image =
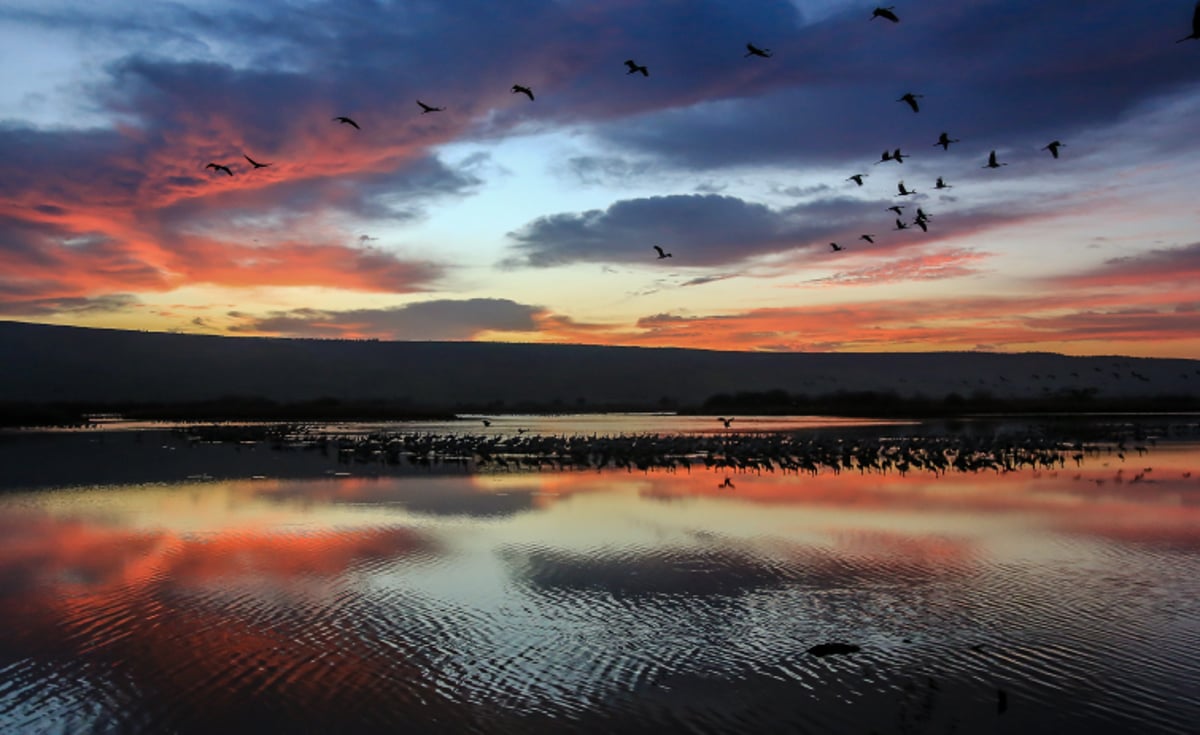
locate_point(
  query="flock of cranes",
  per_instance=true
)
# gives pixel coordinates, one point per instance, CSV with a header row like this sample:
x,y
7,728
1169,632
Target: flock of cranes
x,y
896,155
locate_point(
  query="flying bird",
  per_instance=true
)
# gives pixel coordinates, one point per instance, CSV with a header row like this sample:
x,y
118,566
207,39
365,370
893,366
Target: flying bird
x,y
756,51
726,421
911,99
922,216
868,238
942,184
634,68
347,121
897,208
857,178
1054,146
661,254
922,224
835,247
219,167
1195,25
897,156
518,89
944,140
887,156
992,161
254,163
429,108
885,13
903,191
900,225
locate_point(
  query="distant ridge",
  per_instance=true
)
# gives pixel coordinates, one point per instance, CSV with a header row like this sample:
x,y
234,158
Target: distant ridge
x,y
41,363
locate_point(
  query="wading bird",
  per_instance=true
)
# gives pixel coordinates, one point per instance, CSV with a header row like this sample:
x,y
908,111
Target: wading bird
x,y
254,163
661,254
1195,25
347,121
518,89
944,140
219,167
942,184
911,99
857,178
634,68
1053,147
868,238
835,247
885,13
903,191
756,51
992,161
429,108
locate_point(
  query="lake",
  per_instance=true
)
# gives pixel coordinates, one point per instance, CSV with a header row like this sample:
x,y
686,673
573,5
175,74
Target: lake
x,y
153,582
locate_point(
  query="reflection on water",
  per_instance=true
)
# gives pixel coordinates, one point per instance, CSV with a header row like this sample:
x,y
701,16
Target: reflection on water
x,y
594,601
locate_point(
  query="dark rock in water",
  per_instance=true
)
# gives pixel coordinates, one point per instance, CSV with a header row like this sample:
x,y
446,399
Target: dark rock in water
x,y
832,649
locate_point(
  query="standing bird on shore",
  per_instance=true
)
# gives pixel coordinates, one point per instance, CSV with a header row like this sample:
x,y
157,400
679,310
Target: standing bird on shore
x,y
911,99
835,247
992,161
429,108
944,140
518,89
219,167
885,13
756,51
1053,147
868,238
661,254
903,191
254,163
942,184
634,68
857,178
1195,25
347,121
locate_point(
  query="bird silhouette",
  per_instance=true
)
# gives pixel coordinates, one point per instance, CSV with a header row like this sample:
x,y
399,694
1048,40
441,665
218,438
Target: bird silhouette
x,y
728,483
942,184
254,163
897,208
429,108
992,161
897,156
518,89
887,156
911,99
904,191
922,224
756,51
726,421
486,422
219,167
922,216
944,140
885,13
661,254
868,238
347,121
900,225
1195,25
634,68
835,247
857,178
1053,147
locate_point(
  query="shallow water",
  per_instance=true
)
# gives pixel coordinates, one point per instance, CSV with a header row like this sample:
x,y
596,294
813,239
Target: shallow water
x,y
597,601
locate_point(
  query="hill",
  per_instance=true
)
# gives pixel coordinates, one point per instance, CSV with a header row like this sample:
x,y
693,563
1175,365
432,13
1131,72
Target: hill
x,y
43,364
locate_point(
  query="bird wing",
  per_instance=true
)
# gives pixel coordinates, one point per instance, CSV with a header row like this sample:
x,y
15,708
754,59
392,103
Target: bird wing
x,y
631,64
660,250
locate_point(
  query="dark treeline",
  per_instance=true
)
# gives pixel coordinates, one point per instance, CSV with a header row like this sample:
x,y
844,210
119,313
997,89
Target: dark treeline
x,y
893,405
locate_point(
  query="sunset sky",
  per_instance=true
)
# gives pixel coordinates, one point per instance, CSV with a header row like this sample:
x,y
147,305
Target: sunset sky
x,y
502,218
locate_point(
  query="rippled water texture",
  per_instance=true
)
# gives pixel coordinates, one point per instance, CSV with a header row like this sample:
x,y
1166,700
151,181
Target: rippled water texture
x,y
605,601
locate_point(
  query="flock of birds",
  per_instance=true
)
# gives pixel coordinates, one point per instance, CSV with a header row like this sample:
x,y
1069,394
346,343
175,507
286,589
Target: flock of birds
x,y
921,219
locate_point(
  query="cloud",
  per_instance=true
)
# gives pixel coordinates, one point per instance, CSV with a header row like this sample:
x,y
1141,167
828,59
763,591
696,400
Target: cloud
x,y
443,319
1153,269
925,267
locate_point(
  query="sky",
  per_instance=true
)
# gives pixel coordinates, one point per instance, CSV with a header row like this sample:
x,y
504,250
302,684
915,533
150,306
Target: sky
x,y
510,219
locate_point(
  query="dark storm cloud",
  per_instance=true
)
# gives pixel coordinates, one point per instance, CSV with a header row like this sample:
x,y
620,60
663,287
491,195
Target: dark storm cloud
x,y
430,320
701,229
41,307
